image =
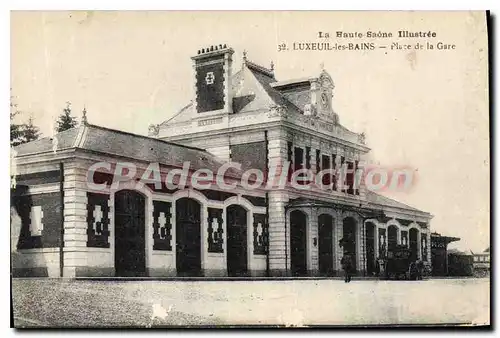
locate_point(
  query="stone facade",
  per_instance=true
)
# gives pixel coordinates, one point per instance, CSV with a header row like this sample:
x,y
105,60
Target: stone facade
x,y
68,228
311,127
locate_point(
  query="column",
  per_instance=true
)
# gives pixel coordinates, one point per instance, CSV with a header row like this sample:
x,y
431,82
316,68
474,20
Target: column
x,y
314,146
419,245
304,154
428,235
361,264
339,233
332,166
279,249
313,240
75,256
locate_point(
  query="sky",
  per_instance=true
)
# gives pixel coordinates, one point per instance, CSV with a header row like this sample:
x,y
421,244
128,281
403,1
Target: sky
x,y
425,109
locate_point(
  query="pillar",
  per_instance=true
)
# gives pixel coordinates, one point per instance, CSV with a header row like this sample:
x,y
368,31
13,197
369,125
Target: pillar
x,y
313,240
279,251
419,245
428,236
361,237
339,233
75,220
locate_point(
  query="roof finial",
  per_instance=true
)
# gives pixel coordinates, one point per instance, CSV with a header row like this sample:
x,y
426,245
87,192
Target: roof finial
x,y
84,115
272,65
244,56
322,66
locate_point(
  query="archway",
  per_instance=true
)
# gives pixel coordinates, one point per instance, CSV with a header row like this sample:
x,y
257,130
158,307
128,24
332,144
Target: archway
x,y
188,237
325,244
298,243
413,244
349,239
370,248
392,237
130,242
236,240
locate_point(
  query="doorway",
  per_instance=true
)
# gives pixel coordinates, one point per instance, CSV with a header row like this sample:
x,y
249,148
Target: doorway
x,y
130,242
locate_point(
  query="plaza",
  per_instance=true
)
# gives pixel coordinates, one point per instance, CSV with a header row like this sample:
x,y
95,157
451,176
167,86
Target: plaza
x,y
92,303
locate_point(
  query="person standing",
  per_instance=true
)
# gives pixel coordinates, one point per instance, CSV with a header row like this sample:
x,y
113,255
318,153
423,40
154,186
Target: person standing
x,y
347,267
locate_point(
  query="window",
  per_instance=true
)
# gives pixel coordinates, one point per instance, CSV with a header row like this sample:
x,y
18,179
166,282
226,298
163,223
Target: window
x,y
325,164
299,163
350,178
318,161
299,159
289,159
334,177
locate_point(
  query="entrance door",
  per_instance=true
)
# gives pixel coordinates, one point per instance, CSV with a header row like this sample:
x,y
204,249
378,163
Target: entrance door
x,y
130,244
413,244
370,248
188,237
325,244
298,246
349,240
236,241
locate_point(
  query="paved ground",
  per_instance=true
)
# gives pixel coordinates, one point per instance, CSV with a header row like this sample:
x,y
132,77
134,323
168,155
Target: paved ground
x,y
305,302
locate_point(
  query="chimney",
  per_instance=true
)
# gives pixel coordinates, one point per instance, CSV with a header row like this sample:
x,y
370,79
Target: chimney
x,y
212,67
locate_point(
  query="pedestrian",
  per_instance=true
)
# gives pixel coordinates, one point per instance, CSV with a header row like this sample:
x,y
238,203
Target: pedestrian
x,y
347,266
420,269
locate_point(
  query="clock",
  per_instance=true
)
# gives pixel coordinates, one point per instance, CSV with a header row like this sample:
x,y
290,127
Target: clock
x,y
324,100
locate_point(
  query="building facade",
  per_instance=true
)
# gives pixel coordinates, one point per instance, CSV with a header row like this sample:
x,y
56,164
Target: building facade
x,y
117,227
481,262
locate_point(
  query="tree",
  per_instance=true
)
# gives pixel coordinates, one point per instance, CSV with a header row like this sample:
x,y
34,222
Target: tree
x,y
66,120
21,133
15,129
29,131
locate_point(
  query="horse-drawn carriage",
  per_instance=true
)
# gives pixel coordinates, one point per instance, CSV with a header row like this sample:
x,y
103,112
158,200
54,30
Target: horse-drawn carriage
x,y
400,265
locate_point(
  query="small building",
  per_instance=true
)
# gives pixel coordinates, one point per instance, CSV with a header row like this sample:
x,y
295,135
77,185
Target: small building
x,y
439,253
482,262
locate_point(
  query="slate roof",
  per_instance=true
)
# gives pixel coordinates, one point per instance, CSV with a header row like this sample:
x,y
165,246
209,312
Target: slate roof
x,y
65,140
375,198
115,142
142,148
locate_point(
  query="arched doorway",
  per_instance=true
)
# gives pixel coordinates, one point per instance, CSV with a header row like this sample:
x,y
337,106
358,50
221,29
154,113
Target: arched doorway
x,y
349,240
392,237
236,241
298,243
413,244
370,248
188,237
130,242
325,244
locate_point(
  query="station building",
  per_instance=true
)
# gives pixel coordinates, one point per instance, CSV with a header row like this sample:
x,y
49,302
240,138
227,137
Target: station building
x,y
62,226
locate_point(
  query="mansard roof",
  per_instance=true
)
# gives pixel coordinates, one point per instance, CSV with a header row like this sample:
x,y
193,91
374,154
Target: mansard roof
x,y
123,144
